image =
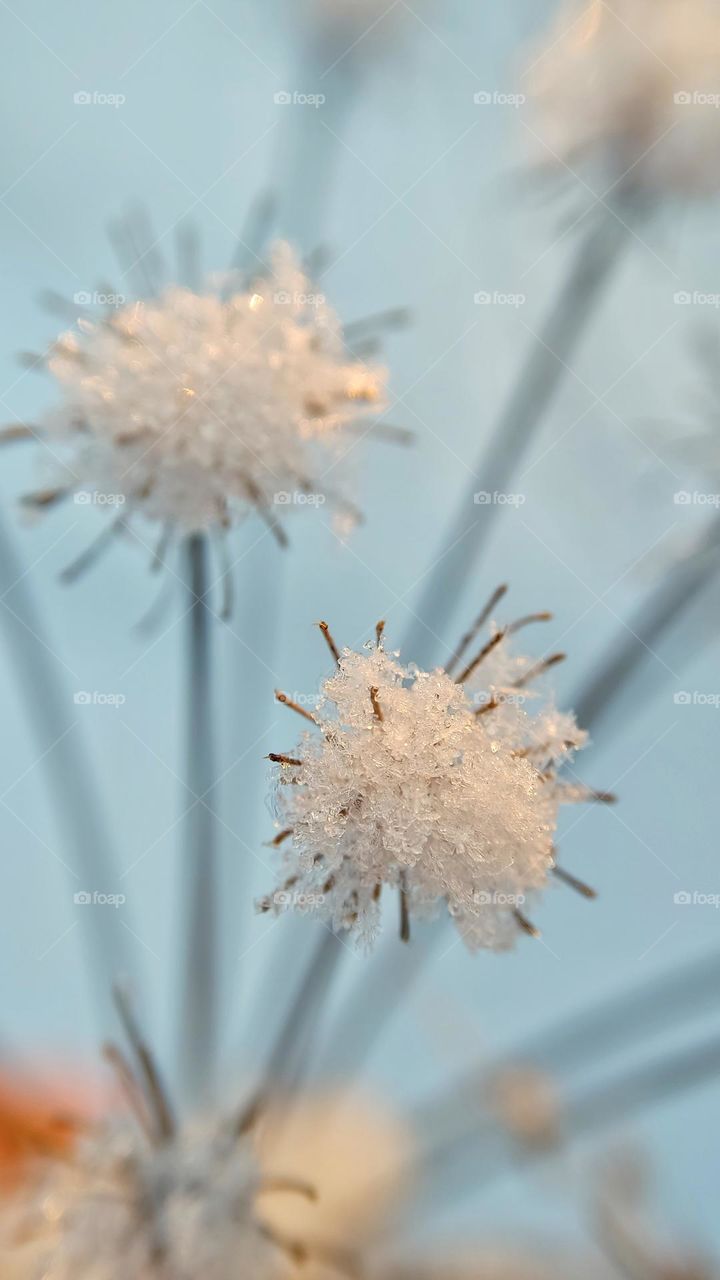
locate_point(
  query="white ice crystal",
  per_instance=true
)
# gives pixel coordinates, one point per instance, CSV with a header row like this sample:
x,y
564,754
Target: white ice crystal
x,y
633,89
442,789
195,408
120,1209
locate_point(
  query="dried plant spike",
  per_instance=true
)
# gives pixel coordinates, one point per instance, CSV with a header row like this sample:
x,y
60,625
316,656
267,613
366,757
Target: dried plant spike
x,y
17,431
294,706
539,669
379,632
329,641
480,657
585,890
527,621
490,705
131,1088
281,837
526,925
272,1183
482,618
44,498
277,758
361,815
156,1095
404,910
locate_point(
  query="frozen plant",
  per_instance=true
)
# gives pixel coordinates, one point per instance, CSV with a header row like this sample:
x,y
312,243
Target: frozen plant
x,y
442,786
154,1202
193,409
631,89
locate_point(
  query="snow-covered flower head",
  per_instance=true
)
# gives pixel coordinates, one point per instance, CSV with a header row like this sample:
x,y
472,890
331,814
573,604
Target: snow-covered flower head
x,y
155,1200
443,787
194,409
121,1208
632,89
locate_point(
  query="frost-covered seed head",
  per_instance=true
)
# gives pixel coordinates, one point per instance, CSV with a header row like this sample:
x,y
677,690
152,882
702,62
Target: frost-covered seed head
x,y
193,409
446,791
631,89
121,1209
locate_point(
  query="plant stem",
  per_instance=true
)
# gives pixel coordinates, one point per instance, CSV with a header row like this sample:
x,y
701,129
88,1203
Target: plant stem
x,y
198,1014
637,639
615,1023
384,987
73,788
545,367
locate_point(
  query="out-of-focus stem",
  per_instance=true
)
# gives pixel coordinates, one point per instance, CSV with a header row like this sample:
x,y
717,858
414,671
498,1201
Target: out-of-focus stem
x,y
381,990
595,258
637,638
198,1010
66,764
583,1039
310,146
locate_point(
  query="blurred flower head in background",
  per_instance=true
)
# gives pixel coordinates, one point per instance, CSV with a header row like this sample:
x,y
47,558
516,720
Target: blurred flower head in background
x,y
630,92
195,409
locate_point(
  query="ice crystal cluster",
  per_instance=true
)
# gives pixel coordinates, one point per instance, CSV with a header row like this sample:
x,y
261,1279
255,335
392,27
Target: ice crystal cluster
x,y
632,88
121,1209
446,791
193,409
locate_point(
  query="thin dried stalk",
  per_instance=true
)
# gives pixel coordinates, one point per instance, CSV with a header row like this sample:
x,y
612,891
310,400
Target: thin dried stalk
x,y
595,259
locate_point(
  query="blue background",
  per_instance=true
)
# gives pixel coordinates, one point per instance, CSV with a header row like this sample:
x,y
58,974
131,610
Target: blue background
x,y
426,208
